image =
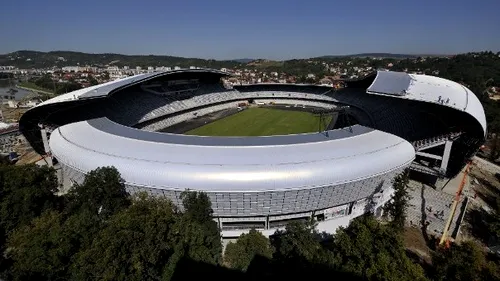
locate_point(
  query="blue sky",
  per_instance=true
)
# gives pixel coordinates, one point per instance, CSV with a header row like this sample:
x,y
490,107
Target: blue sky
x,y
273,29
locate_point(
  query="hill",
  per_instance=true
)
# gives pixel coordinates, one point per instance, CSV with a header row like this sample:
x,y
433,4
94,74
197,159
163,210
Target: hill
x,y
372,55
262,63
243,60
35,59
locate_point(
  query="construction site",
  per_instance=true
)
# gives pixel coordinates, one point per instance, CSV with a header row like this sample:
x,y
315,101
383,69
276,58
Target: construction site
x,y
453,211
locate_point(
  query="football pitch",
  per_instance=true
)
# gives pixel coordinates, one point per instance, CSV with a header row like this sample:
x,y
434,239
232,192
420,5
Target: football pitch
x,y
262,122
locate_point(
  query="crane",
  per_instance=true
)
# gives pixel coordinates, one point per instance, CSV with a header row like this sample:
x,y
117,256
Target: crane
x,y
444,237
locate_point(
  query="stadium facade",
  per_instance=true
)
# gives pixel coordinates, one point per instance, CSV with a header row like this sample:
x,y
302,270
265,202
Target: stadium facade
x,y
389,122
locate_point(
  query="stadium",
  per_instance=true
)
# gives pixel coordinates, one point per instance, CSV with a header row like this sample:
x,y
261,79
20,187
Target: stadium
x,y
334,160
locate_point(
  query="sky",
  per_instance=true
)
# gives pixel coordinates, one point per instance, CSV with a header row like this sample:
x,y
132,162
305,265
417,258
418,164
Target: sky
x,y
270,29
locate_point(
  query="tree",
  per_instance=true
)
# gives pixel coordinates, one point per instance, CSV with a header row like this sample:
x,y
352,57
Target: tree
x,y
102,194
298,253
397,206
197,206
105,75
67,87
93,81
298,243
146,240
464,261
198,230
138,243
239,255
373,251
90,204
494,147
41,250
493,223
25,193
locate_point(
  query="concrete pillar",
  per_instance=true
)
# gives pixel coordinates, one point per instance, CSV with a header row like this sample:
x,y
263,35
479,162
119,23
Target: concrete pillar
x,y
46,147
45,140
446,155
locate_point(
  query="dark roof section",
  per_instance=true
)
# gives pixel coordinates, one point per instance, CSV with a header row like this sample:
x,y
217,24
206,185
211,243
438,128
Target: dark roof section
x,y
173,74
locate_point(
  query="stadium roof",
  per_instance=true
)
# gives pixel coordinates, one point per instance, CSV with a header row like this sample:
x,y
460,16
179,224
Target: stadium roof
x,y
108,88
429,89
208,163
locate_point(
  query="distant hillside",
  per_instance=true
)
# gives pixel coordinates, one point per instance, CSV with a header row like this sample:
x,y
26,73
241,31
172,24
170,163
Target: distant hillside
x,y
371,55
243,60
35,59
262,63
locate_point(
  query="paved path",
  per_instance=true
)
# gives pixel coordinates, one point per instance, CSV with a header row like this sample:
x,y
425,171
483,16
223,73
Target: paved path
x,y
431,207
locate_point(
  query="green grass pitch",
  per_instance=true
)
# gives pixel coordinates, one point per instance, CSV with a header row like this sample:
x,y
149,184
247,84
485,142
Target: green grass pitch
x,y
262,122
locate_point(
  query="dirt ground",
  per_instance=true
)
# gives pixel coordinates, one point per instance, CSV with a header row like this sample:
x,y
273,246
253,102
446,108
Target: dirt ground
x,y
26,154
23,149
12,115
485,185
415,242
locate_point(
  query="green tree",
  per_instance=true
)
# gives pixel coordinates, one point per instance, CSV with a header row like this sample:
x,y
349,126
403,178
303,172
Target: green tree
x,y
198,230
197,206
101,194
25,193
105,75
299,242
34,249
464,261
93,81
493,223
397,206
90,204
239,255
373,251
494,147
67,87
298,254
138,243
41,250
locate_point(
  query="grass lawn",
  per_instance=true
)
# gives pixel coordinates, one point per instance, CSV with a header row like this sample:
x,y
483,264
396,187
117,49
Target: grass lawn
x,y
33,86
261,122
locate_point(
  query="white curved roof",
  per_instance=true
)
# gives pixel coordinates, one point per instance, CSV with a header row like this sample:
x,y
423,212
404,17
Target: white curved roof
x,y
104,89
260,164
430,89
99,90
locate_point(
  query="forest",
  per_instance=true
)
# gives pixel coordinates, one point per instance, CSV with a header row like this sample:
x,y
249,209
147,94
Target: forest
x,y
97,231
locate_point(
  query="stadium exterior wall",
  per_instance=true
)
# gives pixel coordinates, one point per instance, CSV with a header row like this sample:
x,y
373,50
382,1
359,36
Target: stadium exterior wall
x,y
317,180
353,199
